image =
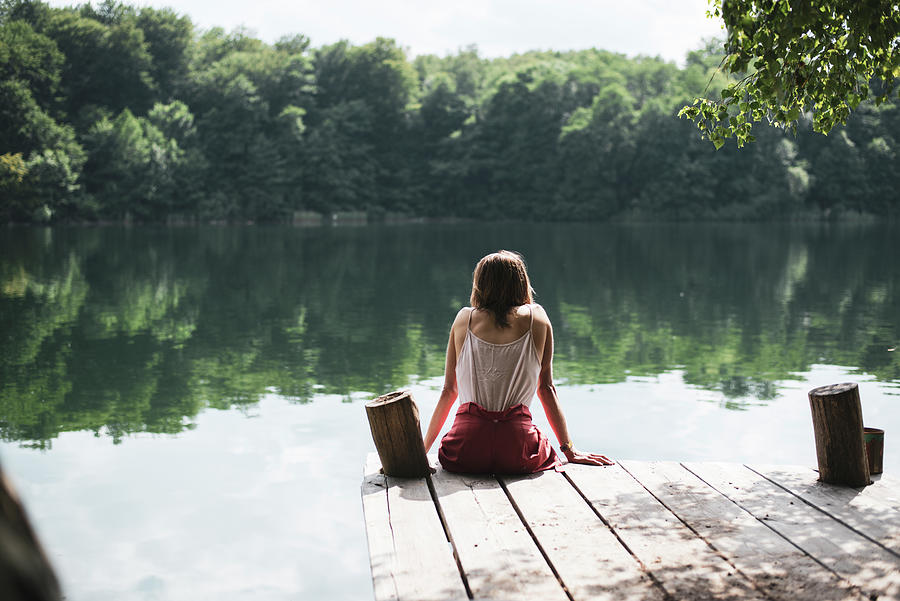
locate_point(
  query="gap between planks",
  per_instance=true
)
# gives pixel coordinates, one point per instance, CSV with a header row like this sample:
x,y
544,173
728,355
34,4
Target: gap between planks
x,y
853,558
858,509
681,561
728,564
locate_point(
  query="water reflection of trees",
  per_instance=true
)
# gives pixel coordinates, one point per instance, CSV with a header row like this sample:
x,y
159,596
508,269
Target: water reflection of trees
x,y
120,330
735,308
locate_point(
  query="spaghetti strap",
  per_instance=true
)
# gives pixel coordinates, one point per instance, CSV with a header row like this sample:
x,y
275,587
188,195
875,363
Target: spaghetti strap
x,y
469,322
531,313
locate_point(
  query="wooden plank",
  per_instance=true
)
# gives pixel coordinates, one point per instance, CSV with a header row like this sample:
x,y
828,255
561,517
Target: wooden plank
x,y
776,567
499,557
412,560
378,531
682,562
856,507
863,563
591,562
887,490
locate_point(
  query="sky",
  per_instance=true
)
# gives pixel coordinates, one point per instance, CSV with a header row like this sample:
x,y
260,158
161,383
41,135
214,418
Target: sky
x,y
666,28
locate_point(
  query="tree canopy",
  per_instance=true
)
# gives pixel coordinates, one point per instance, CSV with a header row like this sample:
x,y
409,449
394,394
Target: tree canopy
x,y
793,58
118,113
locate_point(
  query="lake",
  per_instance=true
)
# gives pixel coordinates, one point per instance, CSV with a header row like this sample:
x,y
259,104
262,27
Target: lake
x,y
182,408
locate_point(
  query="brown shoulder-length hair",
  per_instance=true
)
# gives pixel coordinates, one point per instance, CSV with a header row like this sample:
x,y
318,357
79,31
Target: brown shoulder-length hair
x,y
499,283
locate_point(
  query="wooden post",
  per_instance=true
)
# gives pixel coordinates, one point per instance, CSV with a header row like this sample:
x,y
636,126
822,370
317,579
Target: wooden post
x,y
838,426
394,421
25,572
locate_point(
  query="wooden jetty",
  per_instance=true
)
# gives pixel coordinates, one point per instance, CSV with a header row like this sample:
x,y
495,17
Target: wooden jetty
x,y
633,531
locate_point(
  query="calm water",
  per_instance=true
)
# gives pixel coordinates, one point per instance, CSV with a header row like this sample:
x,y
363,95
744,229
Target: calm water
x,y
182,409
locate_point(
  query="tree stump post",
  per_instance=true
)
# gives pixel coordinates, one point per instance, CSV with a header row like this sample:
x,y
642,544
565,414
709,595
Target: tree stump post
x,y
25,571
394,421
838,427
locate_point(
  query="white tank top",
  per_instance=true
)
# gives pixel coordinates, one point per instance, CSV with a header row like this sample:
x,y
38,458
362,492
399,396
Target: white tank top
x,y
497,376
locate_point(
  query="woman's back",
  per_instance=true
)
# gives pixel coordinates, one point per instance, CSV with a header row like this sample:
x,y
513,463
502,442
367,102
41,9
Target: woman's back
x,y
483,325
498,368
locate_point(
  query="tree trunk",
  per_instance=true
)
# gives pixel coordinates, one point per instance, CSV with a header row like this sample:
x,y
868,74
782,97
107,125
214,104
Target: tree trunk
x,y
394,421
838,426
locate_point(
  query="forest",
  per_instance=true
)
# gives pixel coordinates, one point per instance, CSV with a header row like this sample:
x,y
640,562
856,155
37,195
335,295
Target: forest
x,y
114,113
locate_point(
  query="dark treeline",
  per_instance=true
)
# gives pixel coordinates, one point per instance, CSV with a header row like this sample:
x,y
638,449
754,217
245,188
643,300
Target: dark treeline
x,y
117,113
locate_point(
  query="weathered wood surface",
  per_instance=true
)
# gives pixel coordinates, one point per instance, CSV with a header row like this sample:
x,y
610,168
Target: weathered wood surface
x,y
409,552
589,559
866,565
491,540
394,422
664,545
869,514
887,491
838,428
636,530
771,562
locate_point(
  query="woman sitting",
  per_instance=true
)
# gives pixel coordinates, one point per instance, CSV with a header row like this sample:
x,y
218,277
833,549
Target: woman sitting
x,y
499,354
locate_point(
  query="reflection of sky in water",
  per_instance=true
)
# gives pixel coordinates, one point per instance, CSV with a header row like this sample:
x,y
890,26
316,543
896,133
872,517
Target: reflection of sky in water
x,y
265,504
265,507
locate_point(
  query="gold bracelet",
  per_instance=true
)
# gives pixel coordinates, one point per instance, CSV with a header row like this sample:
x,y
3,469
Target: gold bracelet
x,y
568,446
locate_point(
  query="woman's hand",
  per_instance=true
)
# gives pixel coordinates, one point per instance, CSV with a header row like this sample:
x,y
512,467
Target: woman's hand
x,y
576,456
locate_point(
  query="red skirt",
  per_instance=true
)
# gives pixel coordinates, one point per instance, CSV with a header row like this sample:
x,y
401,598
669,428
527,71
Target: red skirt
x,y
495,442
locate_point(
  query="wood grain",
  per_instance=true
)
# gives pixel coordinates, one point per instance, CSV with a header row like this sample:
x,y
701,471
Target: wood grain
x,y
838,429
394,422
418,561
858,508
636,531
590,560
683,563
864,564
776,567
499,557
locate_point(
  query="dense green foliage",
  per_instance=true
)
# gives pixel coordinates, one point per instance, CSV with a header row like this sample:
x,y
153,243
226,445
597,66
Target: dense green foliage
x,y
800,58
117,113
120,330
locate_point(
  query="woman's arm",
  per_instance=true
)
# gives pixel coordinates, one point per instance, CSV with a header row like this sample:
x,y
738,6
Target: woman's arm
x,y
550,400
449,391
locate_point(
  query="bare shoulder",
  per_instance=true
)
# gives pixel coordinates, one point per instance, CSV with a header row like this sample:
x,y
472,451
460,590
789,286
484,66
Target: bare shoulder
x,y
540,315
458,329
542,332
462,316
461,320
